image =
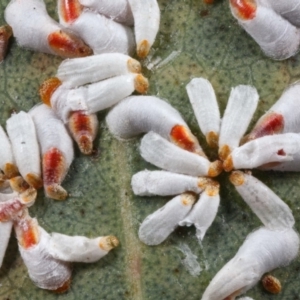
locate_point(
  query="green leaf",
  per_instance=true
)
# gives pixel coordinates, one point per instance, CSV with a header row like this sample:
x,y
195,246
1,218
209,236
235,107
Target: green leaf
x,y
194,40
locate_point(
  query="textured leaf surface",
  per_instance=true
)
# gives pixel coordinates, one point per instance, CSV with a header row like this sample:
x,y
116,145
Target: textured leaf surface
x,y
194,40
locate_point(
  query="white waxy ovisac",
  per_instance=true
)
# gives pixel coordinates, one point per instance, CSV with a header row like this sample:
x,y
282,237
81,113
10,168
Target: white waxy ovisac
x,y
146,24
282,117
262,251
22,134
79,71
31,24
160,224
276,36
80,248
139,114
53,139
164,154
289,10
7,160
240,108
44,270
268,207
103,35
117,10
277,148
163,183
204,211
206,109
94,97
34,29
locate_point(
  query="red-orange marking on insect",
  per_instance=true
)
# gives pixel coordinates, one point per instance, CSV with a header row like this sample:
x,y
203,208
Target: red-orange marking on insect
x,y
70,10
68,45
47,88
181,137
273,123
53,166
80,121
245,9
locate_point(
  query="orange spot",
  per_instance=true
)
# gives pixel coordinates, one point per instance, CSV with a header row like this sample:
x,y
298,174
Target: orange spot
x,y
64,288
244,9
47,88
70,10
83,128
10,170
208,1
272,123
34,180
5,34
53,166
271,284
68,45
29,237
182,137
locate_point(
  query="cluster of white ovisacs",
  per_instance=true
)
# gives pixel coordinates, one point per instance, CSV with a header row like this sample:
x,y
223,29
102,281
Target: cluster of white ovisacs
x,y
82,87
274,25
86,26
274,143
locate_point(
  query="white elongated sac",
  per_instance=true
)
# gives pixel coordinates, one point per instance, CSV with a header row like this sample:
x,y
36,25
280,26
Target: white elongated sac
x,y
44,270
268,207
7,160
163,154
262,251
79,71
163,183
80,248
23,137
282,117
289,10
159,225
117,10
34,29
96,96
276,36
277,148
56,147
206,109
138,114
146,24
102,34
240,108
204,211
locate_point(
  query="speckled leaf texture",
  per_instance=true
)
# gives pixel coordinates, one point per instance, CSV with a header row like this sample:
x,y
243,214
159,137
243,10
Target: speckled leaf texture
x,y
194,40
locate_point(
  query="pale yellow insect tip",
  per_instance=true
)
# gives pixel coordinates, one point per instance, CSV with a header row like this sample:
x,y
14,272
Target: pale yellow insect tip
x,y
10,170
141,84
224,152
143,48
108,242
212,188
228,164
212,139
237,178
134,66
56,192
215,168
34,180
188,199
28,197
